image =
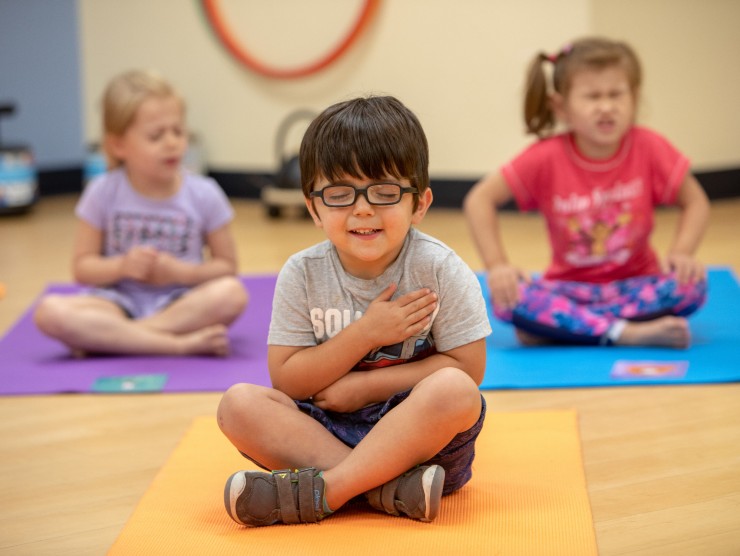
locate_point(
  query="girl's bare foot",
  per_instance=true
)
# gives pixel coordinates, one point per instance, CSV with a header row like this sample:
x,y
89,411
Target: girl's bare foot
x,y
667,331
211,340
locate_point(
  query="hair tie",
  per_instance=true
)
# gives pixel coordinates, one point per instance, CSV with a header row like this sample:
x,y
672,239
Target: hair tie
x,y
563,52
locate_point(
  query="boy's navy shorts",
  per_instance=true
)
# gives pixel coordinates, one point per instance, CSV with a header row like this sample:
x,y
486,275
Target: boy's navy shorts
x,y
456,458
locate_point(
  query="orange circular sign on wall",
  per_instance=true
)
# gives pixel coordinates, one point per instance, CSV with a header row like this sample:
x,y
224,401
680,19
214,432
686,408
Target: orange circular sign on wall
x,y
224,34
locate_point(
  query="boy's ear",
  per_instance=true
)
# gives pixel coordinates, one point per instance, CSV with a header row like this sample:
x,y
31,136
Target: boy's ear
x,y
313,213
424,202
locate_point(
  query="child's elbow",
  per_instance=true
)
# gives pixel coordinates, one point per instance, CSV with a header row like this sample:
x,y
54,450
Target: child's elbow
x,y
477,374
287,387
471,201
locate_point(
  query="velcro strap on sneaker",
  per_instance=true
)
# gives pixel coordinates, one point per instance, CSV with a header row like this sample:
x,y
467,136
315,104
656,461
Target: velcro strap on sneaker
x,y
388,496
306,493
288,510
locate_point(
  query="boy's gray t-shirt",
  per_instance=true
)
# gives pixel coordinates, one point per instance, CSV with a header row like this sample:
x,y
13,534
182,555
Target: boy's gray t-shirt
x,y
315,298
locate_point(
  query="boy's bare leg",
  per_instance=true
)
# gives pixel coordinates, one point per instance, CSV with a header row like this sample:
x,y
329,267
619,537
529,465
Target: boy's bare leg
x,y
439,407
266,424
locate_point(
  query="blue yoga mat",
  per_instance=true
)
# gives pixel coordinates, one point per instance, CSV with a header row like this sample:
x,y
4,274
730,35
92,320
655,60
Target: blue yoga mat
x,y
712,357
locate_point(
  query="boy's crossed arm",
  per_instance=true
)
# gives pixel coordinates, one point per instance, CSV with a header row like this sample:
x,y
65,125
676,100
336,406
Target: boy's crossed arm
x,y
322,371
356,390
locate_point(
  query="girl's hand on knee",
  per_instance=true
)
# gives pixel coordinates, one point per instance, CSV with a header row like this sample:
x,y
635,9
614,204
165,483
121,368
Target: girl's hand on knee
x,y
687,269
503,283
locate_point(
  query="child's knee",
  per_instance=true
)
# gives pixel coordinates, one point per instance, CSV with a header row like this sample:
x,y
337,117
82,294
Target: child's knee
x,y
453,389
231,298
236,405
235,291
690,297
233,399
49,314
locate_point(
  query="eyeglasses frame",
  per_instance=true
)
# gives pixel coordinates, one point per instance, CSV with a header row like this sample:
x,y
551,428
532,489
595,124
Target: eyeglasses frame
x,y
363,191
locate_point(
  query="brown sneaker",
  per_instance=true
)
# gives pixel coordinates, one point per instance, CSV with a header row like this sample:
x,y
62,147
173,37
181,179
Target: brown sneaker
x,y
256,499
417,493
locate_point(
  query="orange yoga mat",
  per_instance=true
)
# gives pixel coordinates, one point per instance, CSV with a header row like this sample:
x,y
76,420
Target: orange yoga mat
x,y
527,497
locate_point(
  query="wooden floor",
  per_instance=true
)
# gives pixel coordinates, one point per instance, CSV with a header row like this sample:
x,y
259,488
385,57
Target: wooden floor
x,y
662,463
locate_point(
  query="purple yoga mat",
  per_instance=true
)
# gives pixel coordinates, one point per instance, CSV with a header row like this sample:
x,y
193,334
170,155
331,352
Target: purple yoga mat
x,y
31,363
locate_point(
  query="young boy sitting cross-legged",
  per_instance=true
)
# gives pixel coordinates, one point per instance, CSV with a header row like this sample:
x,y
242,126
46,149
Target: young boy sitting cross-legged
x,y
376,344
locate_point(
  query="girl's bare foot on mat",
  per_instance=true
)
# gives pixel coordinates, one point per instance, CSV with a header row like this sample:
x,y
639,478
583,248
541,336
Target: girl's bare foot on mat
x,y
668,331
211,340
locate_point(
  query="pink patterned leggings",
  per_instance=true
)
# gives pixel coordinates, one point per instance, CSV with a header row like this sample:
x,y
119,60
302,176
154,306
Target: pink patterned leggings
x,y
583,313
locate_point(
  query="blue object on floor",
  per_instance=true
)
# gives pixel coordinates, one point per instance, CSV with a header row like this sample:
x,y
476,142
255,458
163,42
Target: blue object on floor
x,y
714,355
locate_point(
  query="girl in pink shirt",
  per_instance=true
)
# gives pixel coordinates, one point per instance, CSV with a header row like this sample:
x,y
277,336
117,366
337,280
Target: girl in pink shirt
x,y
597,184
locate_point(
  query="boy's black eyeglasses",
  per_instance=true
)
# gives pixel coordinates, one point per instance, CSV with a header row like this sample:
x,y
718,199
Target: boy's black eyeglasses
x,y
376,194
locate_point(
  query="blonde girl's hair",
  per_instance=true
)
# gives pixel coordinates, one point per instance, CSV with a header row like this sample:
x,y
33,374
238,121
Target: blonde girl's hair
x,y
122,98
590,53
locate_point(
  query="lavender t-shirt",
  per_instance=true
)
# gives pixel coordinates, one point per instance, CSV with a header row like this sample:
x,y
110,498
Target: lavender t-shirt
x,y
177,225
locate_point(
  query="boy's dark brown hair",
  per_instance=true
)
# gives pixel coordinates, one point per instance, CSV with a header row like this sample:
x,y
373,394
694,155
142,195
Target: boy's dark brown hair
x,y
371,137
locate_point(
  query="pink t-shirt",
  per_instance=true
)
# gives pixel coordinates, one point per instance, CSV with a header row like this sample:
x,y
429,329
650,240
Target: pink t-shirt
x,y
599,213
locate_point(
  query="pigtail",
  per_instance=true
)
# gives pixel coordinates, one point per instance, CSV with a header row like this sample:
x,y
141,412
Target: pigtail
x,y
538,115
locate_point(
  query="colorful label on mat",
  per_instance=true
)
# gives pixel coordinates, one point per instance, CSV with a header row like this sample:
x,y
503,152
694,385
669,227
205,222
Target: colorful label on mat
x,y
654,370
131,383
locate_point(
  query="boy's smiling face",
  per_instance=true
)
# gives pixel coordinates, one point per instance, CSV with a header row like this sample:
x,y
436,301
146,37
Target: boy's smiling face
x,y
368,238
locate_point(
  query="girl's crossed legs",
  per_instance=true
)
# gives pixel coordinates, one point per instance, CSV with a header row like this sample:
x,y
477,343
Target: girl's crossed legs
x,y
194,323
645,310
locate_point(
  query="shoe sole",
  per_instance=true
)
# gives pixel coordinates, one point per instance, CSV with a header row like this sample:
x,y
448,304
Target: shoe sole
x,y
234,488
432,482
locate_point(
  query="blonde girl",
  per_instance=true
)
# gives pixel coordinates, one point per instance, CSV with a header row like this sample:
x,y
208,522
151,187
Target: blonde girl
x,y
142,232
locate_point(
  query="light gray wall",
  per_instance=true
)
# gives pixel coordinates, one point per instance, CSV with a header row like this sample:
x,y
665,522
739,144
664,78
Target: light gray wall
x,y
40,73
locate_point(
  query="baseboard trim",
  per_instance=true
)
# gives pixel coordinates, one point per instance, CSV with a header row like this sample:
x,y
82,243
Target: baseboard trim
x,y
720,184
448,192
60,181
